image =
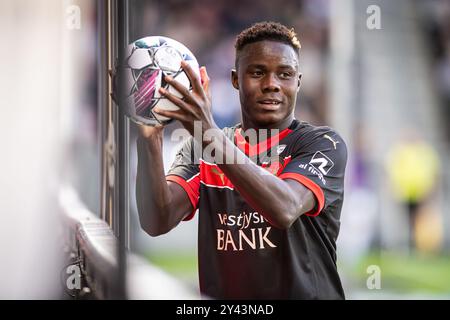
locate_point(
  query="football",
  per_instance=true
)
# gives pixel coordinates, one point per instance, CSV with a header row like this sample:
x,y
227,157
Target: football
x,y
147,62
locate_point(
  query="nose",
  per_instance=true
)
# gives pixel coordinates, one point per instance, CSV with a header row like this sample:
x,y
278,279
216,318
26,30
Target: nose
x,y
270,83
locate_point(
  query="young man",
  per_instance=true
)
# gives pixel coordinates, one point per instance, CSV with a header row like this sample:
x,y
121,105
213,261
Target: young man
x,y
268,209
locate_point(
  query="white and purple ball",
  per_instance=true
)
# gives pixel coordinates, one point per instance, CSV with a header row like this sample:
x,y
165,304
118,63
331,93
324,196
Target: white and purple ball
x,y
148,61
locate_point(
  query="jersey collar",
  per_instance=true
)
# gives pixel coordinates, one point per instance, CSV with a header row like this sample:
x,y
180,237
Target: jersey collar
x,y
262,146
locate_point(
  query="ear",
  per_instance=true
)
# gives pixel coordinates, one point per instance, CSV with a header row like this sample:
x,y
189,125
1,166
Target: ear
x,y
299,81
234,79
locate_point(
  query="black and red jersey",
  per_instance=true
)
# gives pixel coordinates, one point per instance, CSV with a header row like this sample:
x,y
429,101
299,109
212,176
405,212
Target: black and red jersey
x,y
242,256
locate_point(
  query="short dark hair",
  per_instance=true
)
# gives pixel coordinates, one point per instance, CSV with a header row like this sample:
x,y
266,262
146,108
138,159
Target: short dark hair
x,y
267,30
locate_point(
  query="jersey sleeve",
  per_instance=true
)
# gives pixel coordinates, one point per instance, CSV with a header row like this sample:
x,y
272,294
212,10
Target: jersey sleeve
x,y
319,164
185,172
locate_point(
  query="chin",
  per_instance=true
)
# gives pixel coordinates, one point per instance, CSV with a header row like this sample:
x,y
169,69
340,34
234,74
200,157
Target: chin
x,y
267,120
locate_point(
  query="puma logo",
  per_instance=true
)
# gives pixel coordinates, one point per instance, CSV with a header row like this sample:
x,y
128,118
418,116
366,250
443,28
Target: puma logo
x,y
220,174
329,138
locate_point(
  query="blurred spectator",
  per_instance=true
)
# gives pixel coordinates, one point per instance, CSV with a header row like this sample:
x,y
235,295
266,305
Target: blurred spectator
x,y
413,167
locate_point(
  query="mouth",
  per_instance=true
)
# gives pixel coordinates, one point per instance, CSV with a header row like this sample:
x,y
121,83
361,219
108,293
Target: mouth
x,y
269,104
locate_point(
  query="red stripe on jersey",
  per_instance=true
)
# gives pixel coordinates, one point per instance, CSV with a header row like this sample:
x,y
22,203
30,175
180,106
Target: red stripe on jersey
x,y
212,176
315,189
192,188
252,150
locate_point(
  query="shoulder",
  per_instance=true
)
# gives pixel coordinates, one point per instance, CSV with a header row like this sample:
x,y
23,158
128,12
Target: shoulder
x,y
310,139
310,134
314,133
192,146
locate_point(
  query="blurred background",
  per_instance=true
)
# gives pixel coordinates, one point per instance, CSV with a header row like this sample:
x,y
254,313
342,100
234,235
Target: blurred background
x,y
376,71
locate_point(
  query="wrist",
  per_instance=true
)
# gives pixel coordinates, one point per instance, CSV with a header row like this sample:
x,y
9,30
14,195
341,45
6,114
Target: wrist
x,y
151,142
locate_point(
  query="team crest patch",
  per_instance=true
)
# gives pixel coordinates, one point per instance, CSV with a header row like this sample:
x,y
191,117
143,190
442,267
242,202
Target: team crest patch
x,y
321,162
280,148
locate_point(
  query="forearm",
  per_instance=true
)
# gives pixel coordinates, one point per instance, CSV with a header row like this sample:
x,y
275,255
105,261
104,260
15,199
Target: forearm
x,y
153,195
269,195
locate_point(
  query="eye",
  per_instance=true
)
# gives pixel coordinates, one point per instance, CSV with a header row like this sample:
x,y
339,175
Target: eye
x,y
256,73
286,75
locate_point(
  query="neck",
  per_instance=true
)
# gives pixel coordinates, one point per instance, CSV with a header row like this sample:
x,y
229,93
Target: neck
x,y
283,124
267,131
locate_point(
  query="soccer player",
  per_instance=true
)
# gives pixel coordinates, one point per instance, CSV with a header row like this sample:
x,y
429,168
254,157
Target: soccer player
x,y
268,191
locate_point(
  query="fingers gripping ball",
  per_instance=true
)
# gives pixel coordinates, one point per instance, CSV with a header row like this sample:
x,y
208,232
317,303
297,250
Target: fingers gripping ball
x,y
148,61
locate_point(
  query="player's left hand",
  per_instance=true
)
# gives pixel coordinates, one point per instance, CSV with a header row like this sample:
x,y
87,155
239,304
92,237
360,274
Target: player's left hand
x,y
195,106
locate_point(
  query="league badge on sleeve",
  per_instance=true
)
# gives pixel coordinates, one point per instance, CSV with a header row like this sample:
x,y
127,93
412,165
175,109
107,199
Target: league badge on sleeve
x,y
321,162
